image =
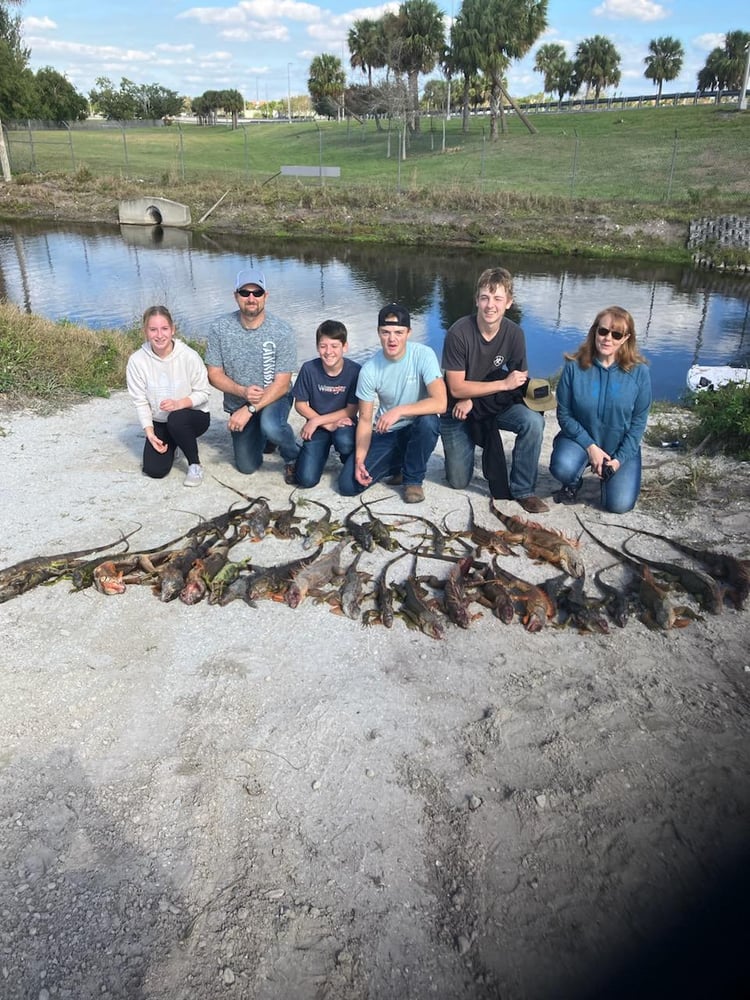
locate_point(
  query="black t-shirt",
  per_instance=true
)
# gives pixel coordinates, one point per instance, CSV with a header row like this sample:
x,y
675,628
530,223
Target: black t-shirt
x,y
465,350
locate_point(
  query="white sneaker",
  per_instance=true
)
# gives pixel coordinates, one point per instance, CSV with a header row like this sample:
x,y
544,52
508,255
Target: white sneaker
x,y
194,475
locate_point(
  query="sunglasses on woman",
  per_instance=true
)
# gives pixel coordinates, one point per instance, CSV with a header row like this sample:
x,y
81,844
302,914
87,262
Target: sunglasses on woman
x,y
257,293
603,331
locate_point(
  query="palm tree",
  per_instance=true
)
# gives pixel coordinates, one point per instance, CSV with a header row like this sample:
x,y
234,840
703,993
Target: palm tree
x,y
597,63
421,42
325,83
364,46
565,79
387,43
725,67
507,30
463,54
233,102
664,61
546,61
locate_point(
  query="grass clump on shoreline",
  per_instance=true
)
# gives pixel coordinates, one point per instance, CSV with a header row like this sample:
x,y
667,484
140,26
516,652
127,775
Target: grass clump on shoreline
x,y
724,413
710,421
56,363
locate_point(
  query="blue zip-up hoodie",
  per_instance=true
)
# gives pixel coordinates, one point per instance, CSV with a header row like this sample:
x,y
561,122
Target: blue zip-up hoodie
x,y
604,406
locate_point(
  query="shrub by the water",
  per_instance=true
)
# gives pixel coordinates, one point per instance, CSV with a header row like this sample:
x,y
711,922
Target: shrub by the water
x,y
725,414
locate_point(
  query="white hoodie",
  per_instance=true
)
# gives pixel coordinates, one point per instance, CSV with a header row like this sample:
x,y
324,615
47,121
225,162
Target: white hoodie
x,y
151,379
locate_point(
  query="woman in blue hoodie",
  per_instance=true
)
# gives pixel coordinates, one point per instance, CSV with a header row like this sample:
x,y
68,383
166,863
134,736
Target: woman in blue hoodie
x,y
603,399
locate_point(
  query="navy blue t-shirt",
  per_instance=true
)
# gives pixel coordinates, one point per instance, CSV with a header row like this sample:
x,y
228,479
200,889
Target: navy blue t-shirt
x,y
326,393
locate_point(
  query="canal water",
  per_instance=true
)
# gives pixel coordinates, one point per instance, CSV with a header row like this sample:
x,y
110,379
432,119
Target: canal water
x,y
106,276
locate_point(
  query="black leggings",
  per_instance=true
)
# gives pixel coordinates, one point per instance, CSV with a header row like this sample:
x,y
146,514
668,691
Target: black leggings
x,y
181,430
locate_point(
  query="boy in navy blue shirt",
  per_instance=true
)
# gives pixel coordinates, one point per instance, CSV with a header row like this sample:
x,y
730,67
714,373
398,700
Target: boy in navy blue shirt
x,y
325,394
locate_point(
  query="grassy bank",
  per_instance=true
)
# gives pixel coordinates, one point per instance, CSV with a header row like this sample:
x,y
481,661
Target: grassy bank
x,y
678,155
55,363
599,184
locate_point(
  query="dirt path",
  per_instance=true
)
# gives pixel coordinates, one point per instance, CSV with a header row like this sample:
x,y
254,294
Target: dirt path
x,y
271,803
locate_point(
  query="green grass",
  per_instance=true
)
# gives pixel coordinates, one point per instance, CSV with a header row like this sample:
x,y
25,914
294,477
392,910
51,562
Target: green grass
x,y
724,413
41,360
57,362
689,157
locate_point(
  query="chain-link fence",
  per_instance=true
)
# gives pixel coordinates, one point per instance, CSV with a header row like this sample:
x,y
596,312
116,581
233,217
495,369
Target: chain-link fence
x,y
619,160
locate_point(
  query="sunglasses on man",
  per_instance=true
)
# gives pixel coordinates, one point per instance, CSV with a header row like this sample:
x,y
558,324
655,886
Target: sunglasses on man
x,y
257,293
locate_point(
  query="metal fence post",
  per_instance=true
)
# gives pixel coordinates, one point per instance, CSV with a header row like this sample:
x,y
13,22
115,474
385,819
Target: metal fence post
x,y
125,144
247,149
70,140
575,165
4,161
672,165
31,145
182,151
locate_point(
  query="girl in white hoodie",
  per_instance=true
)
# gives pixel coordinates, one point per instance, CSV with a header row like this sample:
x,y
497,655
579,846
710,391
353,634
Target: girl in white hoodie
x,y
168,382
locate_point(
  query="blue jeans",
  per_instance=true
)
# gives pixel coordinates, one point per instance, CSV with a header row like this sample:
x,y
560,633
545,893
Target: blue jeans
x,y
618,494
314,454
406,449
268,424
526,424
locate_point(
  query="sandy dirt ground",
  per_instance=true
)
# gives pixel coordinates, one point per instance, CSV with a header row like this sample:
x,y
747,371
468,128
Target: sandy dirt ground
x,y
204,801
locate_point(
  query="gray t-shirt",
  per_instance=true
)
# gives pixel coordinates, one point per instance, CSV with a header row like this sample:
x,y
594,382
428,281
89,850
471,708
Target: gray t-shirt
x,y
250,357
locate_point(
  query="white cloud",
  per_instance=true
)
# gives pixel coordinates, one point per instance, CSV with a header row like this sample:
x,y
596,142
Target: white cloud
x,y
167,47
552,36
38,24
252,11
709,42
636,10
331,32
359,13
274,33
105,53
328,35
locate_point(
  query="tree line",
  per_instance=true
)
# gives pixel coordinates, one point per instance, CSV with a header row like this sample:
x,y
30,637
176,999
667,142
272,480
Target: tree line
x,y
47,96
487,36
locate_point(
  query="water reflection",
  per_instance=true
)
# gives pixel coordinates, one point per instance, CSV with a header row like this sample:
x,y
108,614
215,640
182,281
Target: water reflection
x,y
106,276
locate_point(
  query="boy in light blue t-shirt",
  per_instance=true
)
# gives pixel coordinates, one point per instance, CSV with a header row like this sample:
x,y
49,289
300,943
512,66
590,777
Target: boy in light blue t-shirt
x,y
399,438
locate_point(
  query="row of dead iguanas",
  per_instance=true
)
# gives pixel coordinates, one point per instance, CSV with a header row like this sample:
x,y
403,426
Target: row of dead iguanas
x,y
197,565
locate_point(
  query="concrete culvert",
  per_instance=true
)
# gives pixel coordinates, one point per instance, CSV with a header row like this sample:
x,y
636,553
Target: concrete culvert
x,y
153,212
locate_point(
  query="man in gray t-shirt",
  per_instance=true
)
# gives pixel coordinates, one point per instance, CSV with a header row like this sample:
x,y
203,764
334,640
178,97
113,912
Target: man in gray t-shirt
x,y
251,355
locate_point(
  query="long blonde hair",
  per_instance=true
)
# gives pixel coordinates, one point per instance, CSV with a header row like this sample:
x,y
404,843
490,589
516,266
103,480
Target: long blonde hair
x,y
628,355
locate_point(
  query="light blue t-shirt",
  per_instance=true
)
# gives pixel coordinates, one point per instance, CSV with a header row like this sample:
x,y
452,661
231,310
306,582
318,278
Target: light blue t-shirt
x,y
398,383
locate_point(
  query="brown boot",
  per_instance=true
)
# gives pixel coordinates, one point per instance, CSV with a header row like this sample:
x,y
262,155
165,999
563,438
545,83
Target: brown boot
x,y
532,505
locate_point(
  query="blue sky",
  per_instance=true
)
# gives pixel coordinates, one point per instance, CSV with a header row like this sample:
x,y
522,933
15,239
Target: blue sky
x,y
264,47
